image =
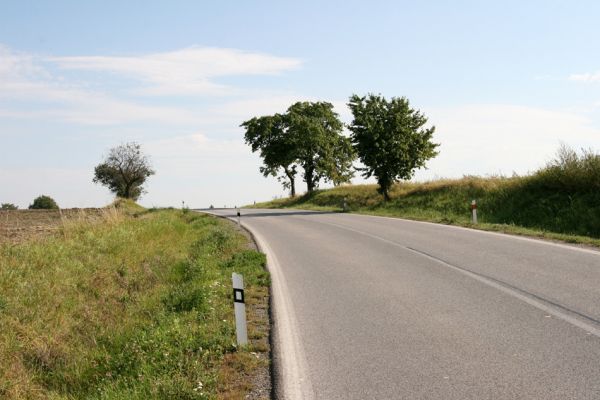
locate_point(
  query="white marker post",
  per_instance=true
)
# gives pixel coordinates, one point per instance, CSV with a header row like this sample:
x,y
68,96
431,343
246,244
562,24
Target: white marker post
x,y
240,309
239,218
474,211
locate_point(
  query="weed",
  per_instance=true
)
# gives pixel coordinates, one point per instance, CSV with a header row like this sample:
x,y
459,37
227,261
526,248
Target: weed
x,y
135,306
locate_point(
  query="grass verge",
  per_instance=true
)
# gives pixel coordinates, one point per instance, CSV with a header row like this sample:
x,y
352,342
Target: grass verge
x,y
130,308
518,205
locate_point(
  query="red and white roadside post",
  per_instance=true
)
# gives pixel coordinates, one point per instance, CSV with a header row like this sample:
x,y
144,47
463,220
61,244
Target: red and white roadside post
x,y
474,211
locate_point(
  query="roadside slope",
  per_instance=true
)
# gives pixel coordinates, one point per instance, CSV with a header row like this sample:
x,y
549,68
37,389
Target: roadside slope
x,y
518,205
131,307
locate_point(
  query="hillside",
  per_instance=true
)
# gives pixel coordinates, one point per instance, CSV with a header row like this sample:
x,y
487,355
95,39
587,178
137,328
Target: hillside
x,y
540,205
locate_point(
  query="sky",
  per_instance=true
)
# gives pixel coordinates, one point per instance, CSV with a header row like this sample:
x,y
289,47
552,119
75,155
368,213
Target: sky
x,y
504,83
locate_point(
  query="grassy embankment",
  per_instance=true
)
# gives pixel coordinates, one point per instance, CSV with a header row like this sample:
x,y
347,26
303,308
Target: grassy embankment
x,y
560,201
134,307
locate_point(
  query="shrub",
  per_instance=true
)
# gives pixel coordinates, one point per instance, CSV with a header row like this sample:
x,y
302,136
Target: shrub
x,y
8,206
44,202
571,171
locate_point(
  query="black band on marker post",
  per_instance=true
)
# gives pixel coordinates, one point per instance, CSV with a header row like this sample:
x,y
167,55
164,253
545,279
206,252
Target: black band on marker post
x,y
238,295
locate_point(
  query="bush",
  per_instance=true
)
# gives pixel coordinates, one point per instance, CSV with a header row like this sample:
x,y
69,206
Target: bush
x,y
8,206
572,172
44,202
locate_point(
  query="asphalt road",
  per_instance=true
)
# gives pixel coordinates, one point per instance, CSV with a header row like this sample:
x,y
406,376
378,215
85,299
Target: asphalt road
x,y
380,308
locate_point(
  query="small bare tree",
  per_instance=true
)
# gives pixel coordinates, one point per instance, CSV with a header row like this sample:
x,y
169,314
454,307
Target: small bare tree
x,y
124,171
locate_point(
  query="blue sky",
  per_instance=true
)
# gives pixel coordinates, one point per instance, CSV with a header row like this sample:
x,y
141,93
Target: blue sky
x,y
503,82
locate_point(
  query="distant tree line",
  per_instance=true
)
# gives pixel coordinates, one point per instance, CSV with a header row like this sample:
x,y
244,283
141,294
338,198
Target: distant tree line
x,y
387,136
41,202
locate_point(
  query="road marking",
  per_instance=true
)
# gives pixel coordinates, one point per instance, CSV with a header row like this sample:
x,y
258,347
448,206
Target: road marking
x,y
292,368
571,316
294,372
500,234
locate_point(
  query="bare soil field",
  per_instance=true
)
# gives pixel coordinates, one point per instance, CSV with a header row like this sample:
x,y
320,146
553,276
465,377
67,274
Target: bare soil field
x,y
19,225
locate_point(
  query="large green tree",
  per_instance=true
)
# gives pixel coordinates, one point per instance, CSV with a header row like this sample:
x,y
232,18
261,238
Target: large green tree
x,y
124,171
308,135
390,138
322,151
269,136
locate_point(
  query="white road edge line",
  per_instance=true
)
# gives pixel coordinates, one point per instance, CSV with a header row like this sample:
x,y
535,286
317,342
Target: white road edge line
x,y
293,368
533,302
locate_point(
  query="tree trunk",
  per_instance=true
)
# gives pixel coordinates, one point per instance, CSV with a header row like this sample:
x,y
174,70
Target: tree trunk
x,y
292,183
386,196
385,184
308,177
384,189
310,185
128,190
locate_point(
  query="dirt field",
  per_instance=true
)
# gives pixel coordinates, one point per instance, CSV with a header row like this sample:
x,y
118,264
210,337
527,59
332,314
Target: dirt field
x,y
20,225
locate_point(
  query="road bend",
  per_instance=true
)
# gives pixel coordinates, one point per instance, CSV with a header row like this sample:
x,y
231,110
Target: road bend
x,y
381,308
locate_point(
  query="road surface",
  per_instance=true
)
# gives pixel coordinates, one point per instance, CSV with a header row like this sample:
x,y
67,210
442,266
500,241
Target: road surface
x,y
381,308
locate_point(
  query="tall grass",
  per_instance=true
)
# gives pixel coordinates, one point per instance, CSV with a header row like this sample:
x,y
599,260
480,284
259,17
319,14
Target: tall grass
x,y
132,308
572,172
561,198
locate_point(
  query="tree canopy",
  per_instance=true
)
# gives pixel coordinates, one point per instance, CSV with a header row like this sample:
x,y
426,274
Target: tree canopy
x,y
124,171
308,135
322,151
390,138
270,136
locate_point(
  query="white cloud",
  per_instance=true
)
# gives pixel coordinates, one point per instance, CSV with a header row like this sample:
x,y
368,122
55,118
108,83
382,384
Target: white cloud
x,y
232,113
23,78
85,107
489,139
186,71
260,104
27,77
586,77
197,146
17,64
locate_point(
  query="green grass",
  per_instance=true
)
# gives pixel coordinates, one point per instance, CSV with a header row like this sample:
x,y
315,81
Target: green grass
x,y
537,205
132,308
127,205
